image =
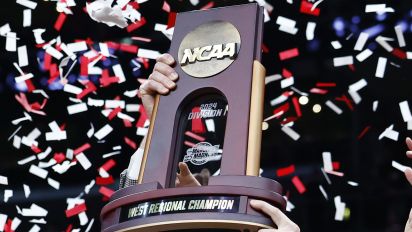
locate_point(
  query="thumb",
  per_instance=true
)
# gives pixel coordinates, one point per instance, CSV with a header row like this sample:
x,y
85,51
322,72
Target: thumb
x,y
408,174
184,169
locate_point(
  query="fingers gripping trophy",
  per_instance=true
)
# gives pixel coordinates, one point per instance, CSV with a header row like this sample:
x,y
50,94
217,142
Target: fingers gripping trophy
x,y
199,169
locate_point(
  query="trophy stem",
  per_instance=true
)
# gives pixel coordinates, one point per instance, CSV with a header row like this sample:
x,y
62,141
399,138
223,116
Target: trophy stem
x,y
148,138
256,118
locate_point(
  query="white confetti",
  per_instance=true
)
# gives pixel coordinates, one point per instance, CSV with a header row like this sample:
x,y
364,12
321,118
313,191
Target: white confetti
x,y
340,208
378,8
34,211
360,43
364,55
406,112
26,160
322,190
35,228
44,154
7,194
3,220
77,108
399,166
327,161
27,18
27,3
141,131
389,133
38,171
103,132
27,191
375,106
380,69
77,46
352,183
118,72
289,131
210,125
88,187
114,104
341,61
336,44
55,184
383,41
11,41
399,35
287,25
272,78
15,223
84,162
4,180
287,82
334,107
95,102
149,54
310,30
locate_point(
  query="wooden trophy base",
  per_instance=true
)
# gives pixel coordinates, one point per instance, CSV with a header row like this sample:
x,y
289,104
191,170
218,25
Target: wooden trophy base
x,y
220,206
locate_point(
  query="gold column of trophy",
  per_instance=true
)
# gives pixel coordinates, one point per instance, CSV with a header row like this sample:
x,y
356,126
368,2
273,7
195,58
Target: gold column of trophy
x,y
212,122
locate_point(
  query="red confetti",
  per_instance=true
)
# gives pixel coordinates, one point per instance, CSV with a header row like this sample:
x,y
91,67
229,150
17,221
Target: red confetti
x,y
195,136
129,48
90,87
288,120
298,184
142,118
127,123
366,129
30,86
136,25
399,53
104,181
197,124
208,6
297,106
130,142
352,67
172,20
47,61
284,108
325,84
114,112
287,54
286,73
84,66
35,149
81,149
265,49
59,22
69,228
318,91
166,6
306,8
106,191
335,166
346,100
285,171
108,165
59,157
7,226
189,144
76,210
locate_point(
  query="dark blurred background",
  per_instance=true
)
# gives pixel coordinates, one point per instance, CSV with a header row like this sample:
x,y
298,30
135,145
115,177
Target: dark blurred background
x,y
381,201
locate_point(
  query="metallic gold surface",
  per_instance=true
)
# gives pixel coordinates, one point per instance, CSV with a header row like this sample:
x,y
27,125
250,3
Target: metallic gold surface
x,y
148,138
255,120
191,224
210,33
